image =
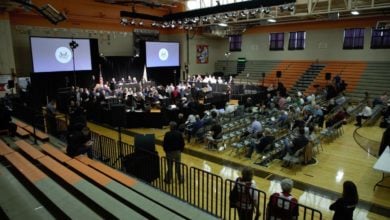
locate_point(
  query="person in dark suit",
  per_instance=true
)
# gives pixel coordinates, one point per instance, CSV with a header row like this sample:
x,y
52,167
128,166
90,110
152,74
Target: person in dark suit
x,y
173,145
266,139
79,141
385,140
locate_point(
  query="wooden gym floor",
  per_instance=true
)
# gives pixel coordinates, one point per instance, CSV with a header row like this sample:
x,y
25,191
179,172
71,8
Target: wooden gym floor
x,y
316,185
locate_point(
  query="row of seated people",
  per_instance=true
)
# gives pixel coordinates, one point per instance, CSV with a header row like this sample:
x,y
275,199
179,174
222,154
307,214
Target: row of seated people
x,y
279,118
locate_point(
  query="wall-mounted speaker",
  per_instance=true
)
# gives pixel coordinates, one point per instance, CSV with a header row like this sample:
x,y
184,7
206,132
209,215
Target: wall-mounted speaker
x,y
278,74
328,76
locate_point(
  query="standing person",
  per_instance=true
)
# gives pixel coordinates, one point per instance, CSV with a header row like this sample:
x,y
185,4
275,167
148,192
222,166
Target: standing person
x,y
343,208
247,199
173,145
79,141
283,205
385,141
51,112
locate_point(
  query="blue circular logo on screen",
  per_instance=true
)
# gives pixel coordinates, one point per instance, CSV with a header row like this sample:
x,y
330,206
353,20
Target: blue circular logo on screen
x,y
63,54
163,54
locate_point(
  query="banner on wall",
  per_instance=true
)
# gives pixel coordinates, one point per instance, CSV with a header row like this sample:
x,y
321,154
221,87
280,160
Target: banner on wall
x,y
202,54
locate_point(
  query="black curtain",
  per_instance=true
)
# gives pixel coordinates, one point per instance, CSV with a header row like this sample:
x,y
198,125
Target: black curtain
x,y
121,67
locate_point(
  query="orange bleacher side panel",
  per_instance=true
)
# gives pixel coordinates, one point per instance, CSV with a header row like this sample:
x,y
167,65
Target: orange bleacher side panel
x,y
89,172
60,170
116,175
291,72
4,149
56,153
31,172
20,124
41,135
21,132
28,149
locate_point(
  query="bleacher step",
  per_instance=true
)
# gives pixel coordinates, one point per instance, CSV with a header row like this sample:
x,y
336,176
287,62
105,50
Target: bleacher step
x,y
16,201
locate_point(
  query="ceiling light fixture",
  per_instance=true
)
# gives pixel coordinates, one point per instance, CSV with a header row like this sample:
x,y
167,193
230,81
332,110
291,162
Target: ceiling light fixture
x,y
222,24
355,12
124,21
271,20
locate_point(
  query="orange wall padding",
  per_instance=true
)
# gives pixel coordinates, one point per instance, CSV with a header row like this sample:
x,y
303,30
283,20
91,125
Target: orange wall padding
x,y
4,16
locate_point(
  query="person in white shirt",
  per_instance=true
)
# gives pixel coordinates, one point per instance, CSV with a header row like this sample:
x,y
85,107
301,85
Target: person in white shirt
x,y
365,114
213,80
230,108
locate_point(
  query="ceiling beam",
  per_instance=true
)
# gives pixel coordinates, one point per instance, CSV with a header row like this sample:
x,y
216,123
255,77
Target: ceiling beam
x,y
211,10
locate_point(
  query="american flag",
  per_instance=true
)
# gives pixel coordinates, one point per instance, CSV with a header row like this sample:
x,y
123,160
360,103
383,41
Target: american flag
x,y
100,75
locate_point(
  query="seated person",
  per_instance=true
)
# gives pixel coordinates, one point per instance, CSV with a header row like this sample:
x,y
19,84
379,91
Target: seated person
x,y
263,142
282,119
195,128
318,116
214,135
298,144
79,141
283,205
365,114
180,121
339,116
254,128
383,99
330,106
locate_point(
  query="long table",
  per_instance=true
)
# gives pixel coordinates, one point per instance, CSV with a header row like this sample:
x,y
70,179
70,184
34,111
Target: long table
x,y
383,165
140,119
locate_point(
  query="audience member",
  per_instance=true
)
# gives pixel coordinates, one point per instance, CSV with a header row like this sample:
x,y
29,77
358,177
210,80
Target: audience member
x,y
173,145
79,141
51,112
215,134
255,127
385,141
297,145
283,205
343,208
339,116
318,116
247,197
181,122
383,99
365,114
263,142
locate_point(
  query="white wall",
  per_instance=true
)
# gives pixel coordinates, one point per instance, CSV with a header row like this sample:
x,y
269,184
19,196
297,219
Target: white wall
x,y
216,47
320,44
